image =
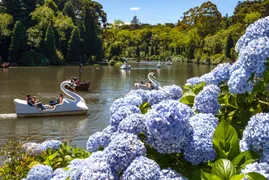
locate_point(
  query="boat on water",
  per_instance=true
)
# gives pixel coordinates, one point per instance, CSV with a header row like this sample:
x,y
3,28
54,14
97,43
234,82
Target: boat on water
x,y
154,84
80,85
159,65
74,106
168,63
4,65
125,66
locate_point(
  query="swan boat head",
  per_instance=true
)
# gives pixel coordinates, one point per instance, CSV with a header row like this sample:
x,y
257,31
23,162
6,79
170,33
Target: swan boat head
x,y
152,78
70,106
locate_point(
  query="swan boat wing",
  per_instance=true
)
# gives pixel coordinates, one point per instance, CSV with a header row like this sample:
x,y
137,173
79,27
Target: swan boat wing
x,y
74,106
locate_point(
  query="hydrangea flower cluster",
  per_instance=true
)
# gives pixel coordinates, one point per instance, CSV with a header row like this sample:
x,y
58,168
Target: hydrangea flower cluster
x,y
40,172
259,28
169,174
200,148
100,139
262,168
219,74
37,148
122,113
256,134
167,125
60,174
239,82
206,100
143,94
142,168
133,124
253,48
122,150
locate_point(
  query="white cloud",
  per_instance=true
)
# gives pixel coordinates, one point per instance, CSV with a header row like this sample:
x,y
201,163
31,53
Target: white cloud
x,y
135,9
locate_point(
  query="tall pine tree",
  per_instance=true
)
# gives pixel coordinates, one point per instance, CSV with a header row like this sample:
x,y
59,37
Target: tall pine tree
x,y
18,43
49,48
229,45
74,46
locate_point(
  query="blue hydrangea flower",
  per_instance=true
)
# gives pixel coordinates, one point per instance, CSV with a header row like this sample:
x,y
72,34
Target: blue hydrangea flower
x,y
122,150
142,168
200,148
116,104
99,170
156,96
122,113
259,28
52,144
262,168
33,148
239,82
133,124
256,134
40,172
193,81
206,100
143,94
60,174
168,128
169,174
96,141
173,92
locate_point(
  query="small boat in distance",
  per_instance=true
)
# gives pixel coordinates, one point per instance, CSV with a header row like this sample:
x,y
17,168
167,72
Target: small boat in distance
x,y
74,106
125,65
169,62
159,65
80,85
154,83
4,65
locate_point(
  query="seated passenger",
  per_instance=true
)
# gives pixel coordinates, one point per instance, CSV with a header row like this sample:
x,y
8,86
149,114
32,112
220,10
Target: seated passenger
x,y
29,100
38,103
59,100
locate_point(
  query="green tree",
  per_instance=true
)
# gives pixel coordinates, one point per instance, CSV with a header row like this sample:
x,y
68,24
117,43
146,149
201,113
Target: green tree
x,y
229,46
251,17
6,21
14,8
135,22
74,46
18,43
49,45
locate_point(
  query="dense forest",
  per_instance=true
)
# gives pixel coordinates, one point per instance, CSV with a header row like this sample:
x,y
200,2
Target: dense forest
x,y
57,32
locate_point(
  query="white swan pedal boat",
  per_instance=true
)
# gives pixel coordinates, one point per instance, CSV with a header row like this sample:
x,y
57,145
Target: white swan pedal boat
x,y
125,66
155,84
74,106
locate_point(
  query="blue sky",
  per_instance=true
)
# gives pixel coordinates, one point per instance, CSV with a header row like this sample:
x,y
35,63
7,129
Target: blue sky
x,y
157,11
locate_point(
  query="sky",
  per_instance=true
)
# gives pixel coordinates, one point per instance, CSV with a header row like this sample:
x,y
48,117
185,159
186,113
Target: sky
x,y
157,11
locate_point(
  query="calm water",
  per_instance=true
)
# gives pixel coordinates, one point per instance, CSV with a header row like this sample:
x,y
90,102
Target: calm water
x,y
107,85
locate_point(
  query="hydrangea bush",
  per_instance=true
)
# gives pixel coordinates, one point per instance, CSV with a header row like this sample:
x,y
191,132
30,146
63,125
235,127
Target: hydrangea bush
x,y
216,128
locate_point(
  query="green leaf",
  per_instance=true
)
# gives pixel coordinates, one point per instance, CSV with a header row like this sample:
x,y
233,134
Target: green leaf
x,y
224,169
225,141
197,88
237,177
189,100
254,176
51,157
245,158
207,176
144,107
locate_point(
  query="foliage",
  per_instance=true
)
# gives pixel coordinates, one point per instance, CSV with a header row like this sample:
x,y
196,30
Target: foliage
x,y
74,46
18,163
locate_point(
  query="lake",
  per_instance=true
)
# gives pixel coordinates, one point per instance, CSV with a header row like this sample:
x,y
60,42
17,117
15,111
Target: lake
x,y
107,84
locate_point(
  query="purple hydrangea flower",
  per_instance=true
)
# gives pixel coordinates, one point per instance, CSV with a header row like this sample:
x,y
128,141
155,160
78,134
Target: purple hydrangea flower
x,y
193,81
40,172
52,144
169,174
96,141
133,124
156,96
167,125
142,168
200,148
122,113
206,100
173,92
262,168
122,150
